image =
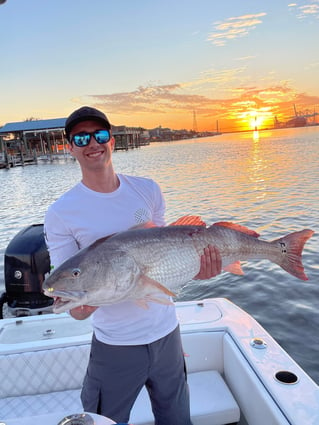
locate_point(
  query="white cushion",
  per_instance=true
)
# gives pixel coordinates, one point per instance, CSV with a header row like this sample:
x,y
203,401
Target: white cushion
x,y
211,402
40,372
40,404
203,351
210,399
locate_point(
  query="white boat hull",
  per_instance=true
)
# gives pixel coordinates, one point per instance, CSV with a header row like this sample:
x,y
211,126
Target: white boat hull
x,y
236,370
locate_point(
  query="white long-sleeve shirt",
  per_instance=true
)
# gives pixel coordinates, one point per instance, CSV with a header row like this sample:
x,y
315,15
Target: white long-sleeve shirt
x,y
81,216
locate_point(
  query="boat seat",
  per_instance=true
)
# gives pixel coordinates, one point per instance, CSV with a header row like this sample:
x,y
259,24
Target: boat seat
x,y
45,381
211,402
41,404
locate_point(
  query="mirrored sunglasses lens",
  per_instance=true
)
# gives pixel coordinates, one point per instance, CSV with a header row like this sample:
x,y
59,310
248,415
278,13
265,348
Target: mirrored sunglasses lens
x,y
102,136
81,139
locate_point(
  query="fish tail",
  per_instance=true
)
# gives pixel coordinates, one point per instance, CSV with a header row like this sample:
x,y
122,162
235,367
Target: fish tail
x,y
291,247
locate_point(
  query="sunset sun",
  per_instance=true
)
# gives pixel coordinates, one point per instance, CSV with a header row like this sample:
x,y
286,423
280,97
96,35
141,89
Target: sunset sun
x,y
256,121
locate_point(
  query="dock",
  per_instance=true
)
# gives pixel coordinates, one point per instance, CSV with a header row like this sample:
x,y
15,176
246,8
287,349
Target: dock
x,y
15,160
28,142
127,138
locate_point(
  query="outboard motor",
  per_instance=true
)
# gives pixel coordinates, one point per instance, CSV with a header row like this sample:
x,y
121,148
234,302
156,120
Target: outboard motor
x,y
26,263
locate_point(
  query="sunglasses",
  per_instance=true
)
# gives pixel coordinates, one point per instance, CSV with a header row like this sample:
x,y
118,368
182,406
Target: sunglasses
x,y
83,139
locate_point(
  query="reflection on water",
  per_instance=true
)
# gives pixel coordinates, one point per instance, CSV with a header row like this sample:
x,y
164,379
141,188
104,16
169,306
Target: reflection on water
x,y
268,183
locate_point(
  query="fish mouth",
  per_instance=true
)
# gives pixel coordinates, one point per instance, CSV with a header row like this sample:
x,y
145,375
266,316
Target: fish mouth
x,y
65,300
61,304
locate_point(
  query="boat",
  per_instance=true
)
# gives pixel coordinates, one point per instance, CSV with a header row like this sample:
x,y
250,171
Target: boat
x,y
237,373
299,119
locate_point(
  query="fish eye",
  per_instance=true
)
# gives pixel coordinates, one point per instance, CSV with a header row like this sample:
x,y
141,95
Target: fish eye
x,y
76,272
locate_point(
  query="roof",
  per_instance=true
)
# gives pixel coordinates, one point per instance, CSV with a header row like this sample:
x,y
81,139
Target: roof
x,y
33,125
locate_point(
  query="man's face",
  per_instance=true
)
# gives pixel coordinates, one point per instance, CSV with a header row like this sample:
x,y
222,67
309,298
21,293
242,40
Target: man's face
x,y
94,155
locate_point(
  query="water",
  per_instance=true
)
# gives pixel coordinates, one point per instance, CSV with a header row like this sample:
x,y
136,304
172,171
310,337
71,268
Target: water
x,y
269,184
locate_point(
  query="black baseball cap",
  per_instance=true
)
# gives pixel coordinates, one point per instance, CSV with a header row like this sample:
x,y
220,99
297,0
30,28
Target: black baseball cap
x,y
85,113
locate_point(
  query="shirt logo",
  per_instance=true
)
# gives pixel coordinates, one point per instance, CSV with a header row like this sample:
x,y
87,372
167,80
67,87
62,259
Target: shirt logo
x,y
141,216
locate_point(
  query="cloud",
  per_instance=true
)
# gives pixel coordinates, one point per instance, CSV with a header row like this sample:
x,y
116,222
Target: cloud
x,y
216,77
245,58
309,9
160,101
306,11
312,65
149,99
234,27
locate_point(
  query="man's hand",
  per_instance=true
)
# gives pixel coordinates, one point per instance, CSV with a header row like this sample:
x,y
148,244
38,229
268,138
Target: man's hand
x,y
82,312
210,263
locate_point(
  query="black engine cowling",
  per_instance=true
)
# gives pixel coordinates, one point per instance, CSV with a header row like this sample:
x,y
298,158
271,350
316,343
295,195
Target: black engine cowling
x,y
26,263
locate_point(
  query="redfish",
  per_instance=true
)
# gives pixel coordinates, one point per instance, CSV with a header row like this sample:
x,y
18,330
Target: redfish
x,y
144,264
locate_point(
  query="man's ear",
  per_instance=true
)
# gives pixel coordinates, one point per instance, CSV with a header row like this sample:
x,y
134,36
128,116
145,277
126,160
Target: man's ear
x,y
112,141
70,148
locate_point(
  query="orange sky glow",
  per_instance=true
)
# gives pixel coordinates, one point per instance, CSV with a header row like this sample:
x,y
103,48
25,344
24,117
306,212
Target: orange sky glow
x,y
232,65
249,108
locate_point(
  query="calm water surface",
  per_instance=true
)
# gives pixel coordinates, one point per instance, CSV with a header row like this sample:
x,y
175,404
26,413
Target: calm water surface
x,y
269,184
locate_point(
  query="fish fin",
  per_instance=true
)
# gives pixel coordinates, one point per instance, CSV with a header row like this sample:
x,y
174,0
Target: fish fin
x,y
151,282
146,225
142,302
291,247
159,300
189,220
234,268
237,227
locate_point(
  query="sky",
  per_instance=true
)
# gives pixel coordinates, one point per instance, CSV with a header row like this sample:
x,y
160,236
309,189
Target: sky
x,y
182,64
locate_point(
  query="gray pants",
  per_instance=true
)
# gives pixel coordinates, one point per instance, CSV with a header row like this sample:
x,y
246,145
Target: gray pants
x,y
116,374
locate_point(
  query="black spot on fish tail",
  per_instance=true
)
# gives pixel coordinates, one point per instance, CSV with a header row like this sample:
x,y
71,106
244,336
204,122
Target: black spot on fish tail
x,y
291,247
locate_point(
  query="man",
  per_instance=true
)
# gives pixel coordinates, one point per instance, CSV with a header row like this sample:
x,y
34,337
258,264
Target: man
x,y
131,346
